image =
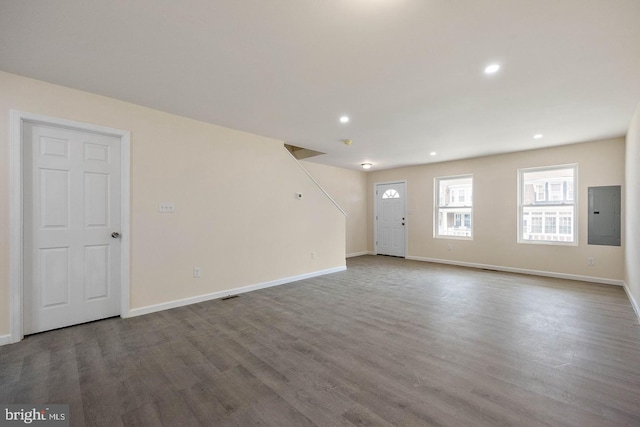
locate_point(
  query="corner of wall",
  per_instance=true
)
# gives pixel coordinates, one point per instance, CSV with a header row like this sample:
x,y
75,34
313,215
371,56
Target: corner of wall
x,y
632,205
634,302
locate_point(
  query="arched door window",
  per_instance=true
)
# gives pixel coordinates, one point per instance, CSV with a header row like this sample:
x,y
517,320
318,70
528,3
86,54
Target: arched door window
x,y
391,194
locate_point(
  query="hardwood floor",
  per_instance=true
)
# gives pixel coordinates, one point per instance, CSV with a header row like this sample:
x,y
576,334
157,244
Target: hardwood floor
x,y
387,342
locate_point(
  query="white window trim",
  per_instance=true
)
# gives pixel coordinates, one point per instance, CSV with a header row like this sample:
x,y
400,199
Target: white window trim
x,y
521,173
436,206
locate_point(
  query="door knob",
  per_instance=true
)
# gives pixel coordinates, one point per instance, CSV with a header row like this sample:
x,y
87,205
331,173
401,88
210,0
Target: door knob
x,y
115,234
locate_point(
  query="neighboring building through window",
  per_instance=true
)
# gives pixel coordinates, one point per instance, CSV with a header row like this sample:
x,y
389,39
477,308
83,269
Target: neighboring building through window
x,y
546,205
454,207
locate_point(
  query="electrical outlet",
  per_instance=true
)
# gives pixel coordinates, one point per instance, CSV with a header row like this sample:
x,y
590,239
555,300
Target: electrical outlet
x,y
449,246
197,272
591,261
313,255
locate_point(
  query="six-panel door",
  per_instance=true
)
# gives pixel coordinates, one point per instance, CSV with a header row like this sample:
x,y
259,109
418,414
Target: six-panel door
x,y
71,208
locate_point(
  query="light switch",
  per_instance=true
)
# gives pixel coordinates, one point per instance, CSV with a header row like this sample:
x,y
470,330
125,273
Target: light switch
x,y
166,207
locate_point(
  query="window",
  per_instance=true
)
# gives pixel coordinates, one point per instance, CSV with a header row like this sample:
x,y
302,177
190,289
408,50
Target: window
x,y
536,222
569,190
391,194
550,223
556,191
454,207
547,205
540,192
565,225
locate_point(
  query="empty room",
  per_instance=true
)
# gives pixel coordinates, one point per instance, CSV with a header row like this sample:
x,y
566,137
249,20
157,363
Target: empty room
x,y
329,213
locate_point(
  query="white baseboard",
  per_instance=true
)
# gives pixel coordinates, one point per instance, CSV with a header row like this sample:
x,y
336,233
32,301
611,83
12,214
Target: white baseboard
x,y
221,294
359,254
5,339
634,303
591,279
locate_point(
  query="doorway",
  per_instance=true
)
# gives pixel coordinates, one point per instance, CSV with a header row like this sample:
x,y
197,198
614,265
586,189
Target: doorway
x,y
69,222
390,218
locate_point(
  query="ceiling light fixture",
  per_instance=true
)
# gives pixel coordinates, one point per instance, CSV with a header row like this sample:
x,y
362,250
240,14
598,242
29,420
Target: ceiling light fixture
x,y
538,136
366,165
433,153
344,119
492,69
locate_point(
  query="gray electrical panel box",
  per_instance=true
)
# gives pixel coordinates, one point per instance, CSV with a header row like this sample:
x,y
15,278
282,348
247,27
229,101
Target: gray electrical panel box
x,y
604,215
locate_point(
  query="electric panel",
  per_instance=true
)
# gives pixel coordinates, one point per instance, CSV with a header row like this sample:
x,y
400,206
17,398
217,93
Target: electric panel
x,y
604,215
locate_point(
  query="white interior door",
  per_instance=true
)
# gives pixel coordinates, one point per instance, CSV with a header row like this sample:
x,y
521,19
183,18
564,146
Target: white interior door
x,y
390,219
71,208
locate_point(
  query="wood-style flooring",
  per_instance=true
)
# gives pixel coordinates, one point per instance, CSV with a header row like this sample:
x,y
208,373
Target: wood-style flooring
x,y
387,342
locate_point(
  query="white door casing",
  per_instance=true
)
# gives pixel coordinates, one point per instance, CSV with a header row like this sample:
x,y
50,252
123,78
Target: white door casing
x,y
390,218
70,183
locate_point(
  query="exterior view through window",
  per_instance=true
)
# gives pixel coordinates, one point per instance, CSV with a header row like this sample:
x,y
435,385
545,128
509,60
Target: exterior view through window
x,y
547,205
454,207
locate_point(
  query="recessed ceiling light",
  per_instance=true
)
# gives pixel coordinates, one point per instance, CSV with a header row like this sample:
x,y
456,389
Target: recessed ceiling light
x,y
433,153
491,69
538,136
344,119
366,165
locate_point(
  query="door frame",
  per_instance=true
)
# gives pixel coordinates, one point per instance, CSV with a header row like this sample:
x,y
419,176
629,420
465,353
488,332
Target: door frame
x,y
375,214
16,199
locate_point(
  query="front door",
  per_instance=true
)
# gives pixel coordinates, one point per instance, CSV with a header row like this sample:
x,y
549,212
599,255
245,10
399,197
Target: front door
x,y
390,219
71,225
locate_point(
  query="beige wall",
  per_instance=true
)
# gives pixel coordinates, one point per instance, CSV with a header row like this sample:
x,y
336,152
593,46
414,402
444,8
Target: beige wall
x,y
632,195
495,210
237,216
349,189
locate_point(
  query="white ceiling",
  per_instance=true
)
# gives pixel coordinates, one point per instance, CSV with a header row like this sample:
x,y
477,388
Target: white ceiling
x,y
409,73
